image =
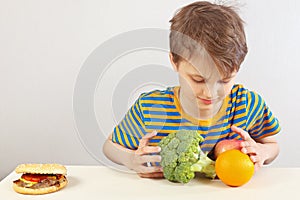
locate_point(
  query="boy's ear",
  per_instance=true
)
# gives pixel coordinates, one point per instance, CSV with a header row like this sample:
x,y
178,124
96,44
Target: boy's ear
x,y
175,67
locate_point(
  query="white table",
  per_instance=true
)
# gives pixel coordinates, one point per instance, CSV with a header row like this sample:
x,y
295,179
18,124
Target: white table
x,y
99,182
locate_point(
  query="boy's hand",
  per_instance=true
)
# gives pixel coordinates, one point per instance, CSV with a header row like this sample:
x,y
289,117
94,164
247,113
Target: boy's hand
x,y
142,156
251,147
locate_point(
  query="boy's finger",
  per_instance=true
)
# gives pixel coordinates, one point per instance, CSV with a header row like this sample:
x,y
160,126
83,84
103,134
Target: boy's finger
x,y
152,169
151,175
244,135
151,149
150,135
145,139
150,158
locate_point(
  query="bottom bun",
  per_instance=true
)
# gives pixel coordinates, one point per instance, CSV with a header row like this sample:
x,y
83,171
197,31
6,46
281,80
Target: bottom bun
x,y
46,190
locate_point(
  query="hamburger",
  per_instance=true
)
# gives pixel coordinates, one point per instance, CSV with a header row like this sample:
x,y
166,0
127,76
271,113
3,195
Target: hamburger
x,y
40,178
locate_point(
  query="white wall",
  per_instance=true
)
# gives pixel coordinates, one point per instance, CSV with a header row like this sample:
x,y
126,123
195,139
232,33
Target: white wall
x,y
43,45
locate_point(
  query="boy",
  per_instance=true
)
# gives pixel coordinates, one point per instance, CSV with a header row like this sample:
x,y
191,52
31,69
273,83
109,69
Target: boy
x,y
207,47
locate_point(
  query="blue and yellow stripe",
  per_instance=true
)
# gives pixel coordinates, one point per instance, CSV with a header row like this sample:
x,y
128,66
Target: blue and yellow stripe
x,y
160,110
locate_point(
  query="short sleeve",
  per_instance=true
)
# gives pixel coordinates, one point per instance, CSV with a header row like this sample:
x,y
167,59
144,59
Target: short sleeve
x,y
131,128
262,122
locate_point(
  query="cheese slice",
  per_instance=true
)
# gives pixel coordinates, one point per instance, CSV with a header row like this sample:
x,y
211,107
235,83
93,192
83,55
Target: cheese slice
x,y
28,183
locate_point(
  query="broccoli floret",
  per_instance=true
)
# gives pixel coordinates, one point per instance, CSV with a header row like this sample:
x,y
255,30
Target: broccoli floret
x,y
183,172
182,157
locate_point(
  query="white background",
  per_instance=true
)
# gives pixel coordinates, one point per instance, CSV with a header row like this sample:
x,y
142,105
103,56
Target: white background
x,y
43,45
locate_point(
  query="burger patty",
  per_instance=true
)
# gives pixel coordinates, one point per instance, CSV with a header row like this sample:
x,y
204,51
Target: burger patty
x,y
48,182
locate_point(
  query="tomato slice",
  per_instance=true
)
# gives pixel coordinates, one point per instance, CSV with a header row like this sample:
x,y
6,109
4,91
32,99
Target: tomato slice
x,y
34,177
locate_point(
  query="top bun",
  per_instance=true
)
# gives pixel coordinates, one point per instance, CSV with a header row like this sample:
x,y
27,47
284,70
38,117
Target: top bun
x,y
41,169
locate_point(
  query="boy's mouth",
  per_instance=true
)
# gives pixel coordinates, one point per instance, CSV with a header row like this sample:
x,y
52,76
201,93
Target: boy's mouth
x,y
207,101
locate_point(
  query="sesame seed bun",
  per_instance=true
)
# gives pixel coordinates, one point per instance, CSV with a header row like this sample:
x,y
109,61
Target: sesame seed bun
x,y
41,169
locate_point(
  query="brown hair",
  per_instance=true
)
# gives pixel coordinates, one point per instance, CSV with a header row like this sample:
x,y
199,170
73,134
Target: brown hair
x,y
216,28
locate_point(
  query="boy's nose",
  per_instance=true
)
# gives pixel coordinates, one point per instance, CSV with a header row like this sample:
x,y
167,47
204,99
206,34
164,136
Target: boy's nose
x,y
211,90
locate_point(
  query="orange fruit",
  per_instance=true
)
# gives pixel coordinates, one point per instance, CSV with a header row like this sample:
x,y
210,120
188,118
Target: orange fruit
x,y
234,168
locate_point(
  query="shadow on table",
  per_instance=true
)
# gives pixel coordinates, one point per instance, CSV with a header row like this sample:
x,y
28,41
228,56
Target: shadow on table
x,y
198,180
72,181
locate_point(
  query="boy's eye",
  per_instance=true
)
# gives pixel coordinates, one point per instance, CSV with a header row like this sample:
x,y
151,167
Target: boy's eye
x,y
225,81
198,80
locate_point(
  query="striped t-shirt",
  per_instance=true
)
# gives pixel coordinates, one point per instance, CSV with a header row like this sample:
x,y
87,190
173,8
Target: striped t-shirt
x,y
160,110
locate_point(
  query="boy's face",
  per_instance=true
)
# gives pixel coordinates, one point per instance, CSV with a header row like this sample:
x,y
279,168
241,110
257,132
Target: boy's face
x,y
202,85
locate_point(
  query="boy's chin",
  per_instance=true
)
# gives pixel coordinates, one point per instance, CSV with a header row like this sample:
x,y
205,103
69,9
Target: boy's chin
x,y
204,107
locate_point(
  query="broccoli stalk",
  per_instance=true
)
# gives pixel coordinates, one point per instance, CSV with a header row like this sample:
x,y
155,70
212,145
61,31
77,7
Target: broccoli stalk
x,y
182,157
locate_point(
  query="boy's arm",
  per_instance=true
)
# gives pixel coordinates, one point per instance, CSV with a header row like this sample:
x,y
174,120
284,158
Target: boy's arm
x,y
262,151
117,153
135,159
270,148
